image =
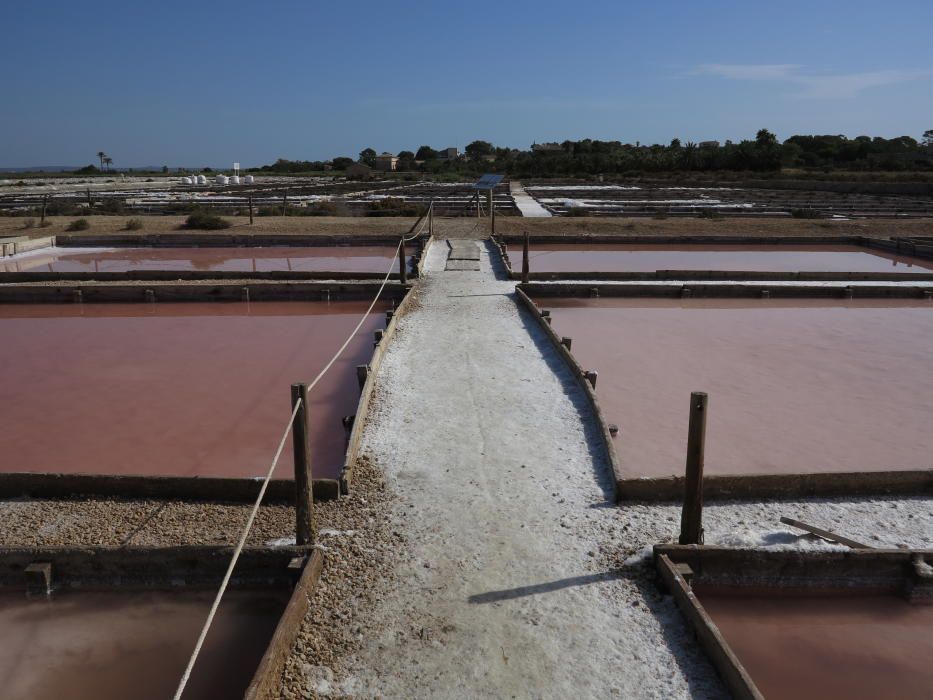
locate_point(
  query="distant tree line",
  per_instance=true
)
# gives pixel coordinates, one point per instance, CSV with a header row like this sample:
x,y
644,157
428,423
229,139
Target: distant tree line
x,y
592,157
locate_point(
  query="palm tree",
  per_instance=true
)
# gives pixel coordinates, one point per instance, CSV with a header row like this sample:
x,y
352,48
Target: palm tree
x,y
108,161
101,155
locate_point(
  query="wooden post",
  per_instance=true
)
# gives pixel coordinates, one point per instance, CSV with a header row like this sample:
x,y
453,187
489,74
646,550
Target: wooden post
x,y
525,259
45,201
304,496
691,518
251,210
362,373
89,205
285,204
431,218
402,263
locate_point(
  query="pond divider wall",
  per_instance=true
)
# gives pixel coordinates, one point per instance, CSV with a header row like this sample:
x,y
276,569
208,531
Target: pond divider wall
x,y
721,487
848,571
173,568
731,289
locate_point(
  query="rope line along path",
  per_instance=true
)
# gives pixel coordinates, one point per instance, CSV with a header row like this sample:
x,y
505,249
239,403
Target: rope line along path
x,y
275,460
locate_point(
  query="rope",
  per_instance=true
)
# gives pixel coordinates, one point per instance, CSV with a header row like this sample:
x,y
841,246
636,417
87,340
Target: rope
x,y
236,556
265,483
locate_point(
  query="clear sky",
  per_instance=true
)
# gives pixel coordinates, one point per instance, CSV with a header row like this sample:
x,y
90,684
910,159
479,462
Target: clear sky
x,y
205,82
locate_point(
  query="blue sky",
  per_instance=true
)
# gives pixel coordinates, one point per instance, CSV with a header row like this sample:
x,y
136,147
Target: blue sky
x,y
204,82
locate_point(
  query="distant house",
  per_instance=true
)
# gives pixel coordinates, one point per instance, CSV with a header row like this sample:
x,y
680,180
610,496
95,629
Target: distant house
x,y
386,162
546,147
448,154
358,171
708,144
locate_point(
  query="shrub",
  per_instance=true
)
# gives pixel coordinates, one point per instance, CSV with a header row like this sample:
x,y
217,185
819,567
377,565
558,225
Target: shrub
x,y
578,211
805,213
29,223
78,225
205,221
710,214
133,225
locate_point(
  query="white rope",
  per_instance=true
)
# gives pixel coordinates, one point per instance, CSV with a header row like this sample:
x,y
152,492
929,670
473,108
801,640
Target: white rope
x,y
236,556
262,491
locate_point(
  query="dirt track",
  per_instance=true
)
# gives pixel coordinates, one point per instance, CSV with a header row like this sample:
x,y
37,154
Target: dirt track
x,y
622,226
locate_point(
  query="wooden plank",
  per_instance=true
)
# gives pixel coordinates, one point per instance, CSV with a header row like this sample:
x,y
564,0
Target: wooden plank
x,y
825,534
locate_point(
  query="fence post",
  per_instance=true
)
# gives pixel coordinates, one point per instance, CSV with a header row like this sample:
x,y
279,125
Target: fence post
x,y
251,210
402,263
304,495
691,518
285,204
525,259
431,218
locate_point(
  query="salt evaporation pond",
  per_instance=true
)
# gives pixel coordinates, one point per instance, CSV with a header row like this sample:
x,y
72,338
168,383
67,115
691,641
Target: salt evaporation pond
x,y
630,257
830,644
113,645
794,386
188,389
372,258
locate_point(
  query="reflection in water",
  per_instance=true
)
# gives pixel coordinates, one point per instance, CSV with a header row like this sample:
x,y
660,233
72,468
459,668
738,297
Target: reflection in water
x,y
623,257
827,644
175,389
241,259
794,385
113,645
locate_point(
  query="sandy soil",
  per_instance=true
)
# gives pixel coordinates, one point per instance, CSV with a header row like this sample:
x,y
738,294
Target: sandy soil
x,y
305,225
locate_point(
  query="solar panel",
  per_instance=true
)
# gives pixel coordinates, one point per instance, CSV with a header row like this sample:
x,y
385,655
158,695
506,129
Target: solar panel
x,y
488,182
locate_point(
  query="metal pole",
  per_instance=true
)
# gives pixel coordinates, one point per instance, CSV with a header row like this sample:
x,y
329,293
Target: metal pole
x,y
492,213
402,263
525,259
304,496
691,518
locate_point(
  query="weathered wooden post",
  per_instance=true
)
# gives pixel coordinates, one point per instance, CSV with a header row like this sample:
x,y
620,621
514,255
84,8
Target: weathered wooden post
x,y
402,263
362,374
89,204
431,218
691,519
250,210
304,495
285,204
525,259
45,202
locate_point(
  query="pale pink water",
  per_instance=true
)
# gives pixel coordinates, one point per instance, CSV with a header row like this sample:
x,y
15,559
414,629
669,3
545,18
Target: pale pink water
x,y
242,259
174,389
629,257
115,645
802,386
827,645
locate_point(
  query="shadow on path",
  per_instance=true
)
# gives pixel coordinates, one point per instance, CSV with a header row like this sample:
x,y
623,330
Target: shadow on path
x,y
550,586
